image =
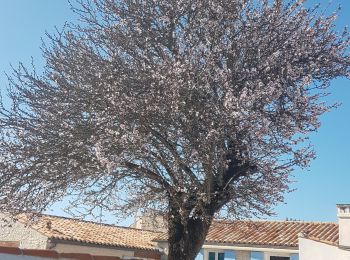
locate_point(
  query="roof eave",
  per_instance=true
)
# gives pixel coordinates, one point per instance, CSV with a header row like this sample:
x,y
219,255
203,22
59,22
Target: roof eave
x,y
104,245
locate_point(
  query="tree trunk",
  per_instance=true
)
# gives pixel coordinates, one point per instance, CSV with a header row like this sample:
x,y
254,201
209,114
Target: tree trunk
x,y
186,235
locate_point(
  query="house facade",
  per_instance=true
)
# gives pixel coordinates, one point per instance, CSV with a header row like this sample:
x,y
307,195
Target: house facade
x,y
311,247
258,240
210,252
16,253
276,240
226,240
66,235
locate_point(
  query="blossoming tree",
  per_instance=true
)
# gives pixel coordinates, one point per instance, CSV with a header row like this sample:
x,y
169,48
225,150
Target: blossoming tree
x,y
197,108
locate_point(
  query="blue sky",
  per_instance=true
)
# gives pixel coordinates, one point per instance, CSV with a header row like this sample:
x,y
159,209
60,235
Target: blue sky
x,y
327,182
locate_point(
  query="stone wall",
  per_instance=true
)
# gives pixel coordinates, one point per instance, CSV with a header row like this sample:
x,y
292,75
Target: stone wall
x,y
15,233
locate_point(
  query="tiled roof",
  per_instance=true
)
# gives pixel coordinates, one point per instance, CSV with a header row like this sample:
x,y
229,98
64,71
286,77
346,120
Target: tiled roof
x,y
93,233
267,233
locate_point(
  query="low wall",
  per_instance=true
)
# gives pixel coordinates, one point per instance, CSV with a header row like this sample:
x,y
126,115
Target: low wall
x,y
15,253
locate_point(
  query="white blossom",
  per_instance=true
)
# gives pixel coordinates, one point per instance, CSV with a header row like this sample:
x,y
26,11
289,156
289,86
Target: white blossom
x,y
194,108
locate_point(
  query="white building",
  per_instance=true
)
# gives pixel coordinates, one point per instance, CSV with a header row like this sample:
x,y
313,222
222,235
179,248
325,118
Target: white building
x,y
258,240
276,240
311,247
226,240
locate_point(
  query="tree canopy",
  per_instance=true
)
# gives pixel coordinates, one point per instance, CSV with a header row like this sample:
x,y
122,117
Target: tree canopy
x,y
190,107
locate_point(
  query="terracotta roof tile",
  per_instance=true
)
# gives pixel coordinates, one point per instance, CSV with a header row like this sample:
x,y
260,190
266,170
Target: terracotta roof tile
x,y
94,233
267,233
264,233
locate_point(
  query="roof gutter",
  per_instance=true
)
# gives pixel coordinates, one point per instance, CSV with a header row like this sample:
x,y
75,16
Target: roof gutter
x,y
54,241
251,248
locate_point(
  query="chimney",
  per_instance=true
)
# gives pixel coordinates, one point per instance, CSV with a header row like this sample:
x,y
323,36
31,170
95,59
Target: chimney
x,y
344,225
137,221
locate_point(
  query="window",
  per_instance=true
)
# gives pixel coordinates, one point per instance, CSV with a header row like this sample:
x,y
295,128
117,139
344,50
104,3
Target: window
x,y
279,258
216,256
221,256
256,255
212,256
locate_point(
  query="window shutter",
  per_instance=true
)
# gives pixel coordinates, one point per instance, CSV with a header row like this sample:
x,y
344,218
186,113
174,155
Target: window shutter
x,y
256,256
294,257
230,255
200,255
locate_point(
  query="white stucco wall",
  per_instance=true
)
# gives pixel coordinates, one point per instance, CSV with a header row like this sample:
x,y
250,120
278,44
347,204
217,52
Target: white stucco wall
x,y
71,248
344,231
311,250
28,237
